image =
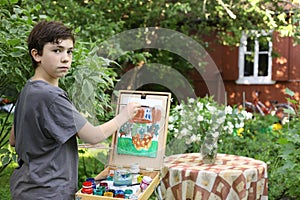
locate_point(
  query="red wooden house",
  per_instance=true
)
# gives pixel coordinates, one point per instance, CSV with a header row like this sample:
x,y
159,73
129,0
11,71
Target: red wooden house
x,y
258,64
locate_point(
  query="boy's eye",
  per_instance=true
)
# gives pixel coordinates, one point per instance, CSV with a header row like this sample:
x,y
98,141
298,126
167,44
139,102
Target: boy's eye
x,y
57,50
70,51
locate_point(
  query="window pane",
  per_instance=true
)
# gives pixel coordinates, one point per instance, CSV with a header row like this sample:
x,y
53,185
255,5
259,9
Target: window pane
x,y
250,44
263,65
263,43
248,68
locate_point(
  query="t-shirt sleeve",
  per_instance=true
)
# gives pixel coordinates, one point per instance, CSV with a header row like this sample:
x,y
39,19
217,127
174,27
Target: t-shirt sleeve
x,y
63,120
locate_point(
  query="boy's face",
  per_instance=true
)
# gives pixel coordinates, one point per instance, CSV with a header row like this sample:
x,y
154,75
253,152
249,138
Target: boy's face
x,y
56,59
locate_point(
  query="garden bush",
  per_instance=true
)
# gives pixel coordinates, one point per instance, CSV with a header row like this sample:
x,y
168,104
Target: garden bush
x,y
287,174
261,138
278,148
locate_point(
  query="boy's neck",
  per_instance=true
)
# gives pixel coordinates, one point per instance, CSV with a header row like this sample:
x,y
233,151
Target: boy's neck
x,y
41,76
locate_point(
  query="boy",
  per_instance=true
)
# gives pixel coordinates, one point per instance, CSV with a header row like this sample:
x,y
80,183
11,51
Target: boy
x,y
46,123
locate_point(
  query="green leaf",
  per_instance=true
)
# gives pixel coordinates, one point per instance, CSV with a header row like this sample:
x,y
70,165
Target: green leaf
x,y
96,79
15,157
13,1
16,54
87,88
5,160
18,71
81,151
289,111
289,92
282,141
4,151
13,42
77,30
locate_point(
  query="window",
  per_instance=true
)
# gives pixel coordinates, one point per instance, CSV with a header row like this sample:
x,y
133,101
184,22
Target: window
x,y
255,60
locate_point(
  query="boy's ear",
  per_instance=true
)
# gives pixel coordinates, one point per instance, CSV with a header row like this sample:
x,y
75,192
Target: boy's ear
x,y
35,55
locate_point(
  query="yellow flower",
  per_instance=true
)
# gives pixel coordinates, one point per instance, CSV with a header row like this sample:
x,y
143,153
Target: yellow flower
x,y
277,126
239,132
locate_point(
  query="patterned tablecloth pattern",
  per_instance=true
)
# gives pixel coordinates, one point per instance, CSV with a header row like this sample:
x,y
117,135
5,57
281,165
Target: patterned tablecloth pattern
x,y
184,176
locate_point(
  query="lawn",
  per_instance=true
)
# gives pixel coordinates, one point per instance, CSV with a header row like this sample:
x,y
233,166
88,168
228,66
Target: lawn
x,y
4,183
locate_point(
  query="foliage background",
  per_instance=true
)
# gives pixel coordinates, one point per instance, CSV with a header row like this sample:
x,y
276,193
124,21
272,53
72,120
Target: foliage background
x,y
96,20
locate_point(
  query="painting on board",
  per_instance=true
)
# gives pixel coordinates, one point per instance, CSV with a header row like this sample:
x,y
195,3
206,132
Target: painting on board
x,y
140,136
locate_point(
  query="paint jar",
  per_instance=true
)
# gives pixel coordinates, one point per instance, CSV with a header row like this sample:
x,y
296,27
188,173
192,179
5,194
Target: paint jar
x,y
140,178
99,191
112,191
93,182
110,176
122,177
87,187
128,193
119,194
108,194
145,182
104,184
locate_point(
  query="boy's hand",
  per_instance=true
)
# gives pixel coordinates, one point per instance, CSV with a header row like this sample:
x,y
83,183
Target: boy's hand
x,y
127,113
132,108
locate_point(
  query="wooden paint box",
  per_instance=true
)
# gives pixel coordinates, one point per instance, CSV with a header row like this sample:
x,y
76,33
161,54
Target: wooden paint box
x,y
141,140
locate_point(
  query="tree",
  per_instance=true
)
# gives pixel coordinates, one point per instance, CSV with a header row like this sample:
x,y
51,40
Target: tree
x,y
94,79
97,20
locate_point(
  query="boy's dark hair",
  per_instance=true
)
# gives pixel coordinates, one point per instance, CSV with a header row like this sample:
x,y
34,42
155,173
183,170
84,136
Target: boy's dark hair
x,y
44,32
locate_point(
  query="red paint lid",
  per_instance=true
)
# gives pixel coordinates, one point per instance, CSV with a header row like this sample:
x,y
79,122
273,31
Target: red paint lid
x,y
87,183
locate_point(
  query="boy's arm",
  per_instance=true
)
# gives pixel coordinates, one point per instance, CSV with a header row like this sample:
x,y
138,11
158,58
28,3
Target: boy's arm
x,y
95,134
12,140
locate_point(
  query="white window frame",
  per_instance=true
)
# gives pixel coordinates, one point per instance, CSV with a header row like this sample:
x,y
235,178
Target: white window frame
x,y
255,79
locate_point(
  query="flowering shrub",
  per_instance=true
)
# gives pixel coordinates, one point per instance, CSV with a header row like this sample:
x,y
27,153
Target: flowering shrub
x,y
194,119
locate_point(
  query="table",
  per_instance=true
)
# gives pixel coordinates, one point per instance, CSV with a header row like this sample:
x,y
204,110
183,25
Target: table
x,y
185,176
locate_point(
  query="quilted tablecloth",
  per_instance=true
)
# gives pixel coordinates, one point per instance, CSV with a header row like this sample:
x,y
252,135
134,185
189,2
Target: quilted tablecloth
x,y
185,176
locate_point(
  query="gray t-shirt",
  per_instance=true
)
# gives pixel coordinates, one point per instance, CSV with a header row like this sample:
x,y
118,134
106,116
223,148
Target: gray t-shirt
x,y
45,124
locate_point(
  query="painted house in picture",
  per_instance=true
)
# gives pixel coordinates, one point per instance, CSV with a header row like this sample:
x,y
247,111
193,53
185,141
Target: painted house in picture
x,y
139,136
264,62
144,134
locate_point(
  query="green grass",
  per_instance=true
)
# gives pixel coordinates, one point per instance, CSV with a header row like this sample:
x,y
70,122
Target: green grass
x,y
125,146
4,183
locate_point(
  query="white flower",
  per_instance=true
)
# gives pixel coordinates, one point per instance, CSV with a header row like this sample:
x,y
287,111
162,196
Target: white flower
x,y
188,141
215,126
228,110
176,130
249,115
194,138
215,134
182,112
196,118
221,120
184,132
179,107
171,119
171,126
237,125
200,105
211,108
230,125
230,129
200,118
191,100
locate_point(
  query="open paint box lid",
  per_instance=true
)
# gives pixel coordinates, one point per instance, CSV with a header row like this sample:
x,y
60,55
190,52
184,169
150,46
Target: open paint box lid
x,y
142,140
